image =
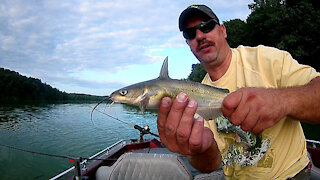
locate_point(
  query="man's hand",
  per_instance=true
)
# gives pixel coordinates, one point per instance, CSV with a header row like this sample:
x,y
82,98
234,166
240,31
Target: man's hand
x,y
182,133
178,129
254,109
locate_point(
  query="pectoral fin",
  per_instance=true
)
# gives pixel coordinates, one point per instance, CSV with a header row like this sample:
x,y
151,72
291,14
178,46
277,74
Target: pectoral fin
x,y
144,101
209,113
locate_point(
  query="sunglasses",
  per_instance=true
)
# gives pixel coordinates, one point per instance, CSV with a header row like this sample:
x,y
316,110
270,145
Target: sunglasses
x,y
204,26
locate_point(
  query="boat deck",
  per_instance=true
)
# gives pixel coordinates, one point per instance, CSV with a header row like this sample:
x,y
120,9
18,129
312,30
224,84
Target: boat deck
x,y
315,173
107,158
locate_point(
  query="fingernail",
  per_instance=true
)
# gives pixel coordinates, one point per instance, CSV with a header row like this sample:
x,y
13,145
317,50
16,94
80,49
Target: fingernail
x,y
192,103
182,97
200,119
165,103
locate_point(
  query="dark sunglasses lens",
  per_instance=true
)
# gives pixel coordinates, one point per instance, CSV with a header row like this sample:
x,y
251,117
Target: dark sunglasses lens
x,y
204,27
189,33
207,27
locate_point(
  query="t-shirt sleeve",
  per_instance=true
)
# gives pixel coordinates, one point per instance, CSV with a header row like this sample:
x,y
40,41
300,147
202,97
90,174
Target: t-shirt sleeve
x,y
295,74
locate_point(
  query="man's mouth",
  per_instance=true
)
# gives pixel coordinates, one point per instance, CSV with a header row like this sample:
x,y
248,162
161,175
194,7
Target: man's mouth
x,y
204,45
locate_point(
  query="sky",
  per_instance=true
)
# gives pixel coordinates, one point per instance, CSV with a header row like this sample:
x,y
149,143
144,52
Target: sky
x,y
96,47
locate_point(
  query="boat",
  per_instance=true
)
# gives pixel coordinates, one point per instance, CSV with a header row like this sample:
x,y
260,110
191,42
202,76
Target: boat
x,y
136,159
314,154
150,159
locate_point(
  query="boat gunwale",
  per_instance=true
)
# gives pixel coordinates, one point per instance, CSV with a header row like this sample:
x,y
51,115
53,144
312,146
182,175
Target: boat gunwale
x,y
60,175
114,151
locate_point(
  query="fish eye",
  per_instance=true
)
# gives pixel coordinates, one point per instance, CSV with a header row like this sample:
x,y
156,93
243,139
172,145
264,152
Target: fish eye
x,y
123,92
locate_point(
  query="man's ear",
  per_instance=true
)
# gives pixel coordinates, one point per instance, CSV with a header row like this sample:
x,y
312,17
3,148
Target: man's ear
x,y
224,30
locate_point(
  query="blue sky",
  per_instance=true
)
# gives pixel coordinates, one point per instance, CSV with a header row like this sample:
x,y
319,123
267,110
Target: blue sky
x,y
96,47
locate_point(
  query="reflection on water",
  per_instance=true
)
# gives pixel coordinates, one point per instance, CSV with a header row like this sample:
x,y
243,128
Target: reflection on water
x,y
63,129
14,117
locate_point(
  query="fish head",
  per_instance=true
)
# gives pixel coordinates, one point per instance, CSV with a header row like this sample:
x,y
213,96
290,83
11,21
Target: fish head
x,y
140,94
127,95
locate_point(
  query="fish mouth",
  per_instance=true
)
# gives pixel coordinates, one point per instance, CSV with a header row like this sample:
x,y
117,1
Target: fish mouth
x,y
111,99
108,99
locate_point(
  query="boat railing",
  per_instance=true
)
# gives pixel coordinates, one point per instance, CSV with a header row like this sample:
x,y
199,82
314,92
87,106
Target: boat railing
x,y
313,142
84,162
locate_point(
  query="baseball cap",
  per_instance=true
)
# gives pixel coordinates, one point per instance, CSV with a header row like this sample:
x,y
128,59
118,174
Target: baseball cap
x,y
196,9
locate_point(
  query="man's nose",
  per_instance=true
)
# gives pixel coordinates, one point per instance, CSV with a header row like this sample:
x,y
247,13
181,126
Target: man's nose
x,y
199,34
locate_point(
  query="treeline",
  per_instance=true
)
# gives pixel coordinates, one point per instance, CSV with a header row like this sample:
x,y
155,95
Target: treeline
x,y
290,25
15,88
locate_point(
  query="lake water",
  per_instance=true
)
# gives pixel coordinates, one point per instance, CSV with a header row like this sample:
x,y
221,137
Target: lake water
x,y
63,129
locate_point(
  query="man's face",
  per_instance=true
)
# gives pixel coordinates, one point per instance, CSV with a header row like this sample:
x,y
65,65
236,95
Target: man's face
x,y
206,46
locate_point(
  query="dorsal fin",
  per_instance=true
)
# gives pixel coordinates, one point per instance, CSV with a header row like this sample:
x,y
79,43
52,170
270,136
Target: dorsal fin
x,y
164,74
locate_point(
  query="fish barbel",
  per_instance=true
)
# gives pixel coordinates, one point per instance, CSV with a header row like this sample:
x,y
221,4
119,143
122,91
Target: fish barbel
x,y
148,94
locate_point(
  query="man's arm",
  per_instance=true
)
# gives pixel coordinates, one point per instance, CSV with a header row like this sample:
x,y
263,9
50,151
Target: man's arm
x,y
257,109
183,134
304,102
208,161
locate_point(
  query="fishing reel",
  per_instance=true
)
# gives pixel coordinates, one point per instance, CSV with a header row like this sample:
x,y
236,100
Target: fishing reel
x,y
144,130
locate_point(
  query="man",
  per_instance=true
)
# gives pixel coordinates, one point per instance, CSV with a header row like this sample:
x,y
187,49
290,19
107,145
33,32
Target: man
x,y
271,93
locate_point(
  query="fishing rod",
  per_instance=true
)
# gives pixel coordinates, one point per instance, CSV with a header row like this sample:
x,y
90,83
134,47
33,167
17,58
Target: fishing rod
x,y
131,125
143,130
71,158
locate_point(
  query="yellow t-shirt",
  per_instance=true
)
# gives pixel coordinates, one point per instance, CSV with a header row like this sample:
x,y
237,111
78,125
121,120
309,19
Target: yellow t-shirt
x,y
269,68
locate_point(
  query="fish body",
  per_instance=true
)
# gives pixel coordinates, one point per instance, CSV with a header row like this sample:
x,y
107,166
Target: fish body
x,y
148,94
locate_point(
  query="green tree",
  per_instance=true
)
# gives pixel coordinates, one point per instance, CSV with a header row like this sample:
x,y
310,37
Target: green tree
x,y
237,32
197,73
290,25
16,88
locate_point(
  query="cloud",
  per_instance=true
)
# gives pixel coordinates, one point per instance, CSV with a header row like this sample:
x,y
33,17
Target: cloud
x,y
57,41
